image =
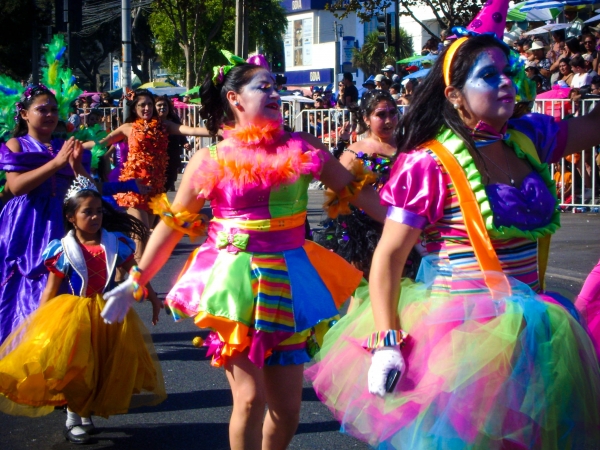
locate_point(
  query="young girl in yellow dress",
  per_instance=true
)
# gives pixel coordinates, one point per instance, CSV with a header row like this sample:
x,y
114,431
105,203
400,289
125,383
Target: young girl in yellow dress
x,y
64,353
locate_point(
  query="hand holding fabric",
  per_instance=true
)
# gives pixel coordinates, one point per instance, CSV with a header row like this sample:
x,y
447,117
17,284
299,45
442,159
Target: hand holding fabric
x,y
384,360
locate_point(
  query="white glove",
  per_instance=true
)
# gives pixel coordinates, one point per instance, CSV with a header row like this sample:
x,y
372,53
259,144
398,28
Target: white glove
x,y
118,302
383,361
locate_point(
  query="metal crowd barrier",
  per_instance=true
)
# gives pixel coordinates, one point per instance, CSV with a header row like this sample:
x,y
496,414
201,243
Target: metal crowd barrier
x,y
576,176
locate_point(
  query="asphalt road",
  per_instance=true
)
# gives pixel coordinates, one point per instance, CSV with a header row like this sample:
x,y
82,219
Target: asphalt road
x,y
196,413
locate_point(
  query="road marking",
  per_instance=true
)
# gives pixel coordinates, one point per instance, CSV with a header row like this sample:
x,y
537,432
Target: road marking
x,y
565,277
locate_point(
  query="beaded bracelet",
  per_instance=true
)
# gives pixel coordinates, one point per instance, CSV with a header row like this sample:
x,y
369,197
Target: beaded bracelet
x,y
139,291
388,338
337,203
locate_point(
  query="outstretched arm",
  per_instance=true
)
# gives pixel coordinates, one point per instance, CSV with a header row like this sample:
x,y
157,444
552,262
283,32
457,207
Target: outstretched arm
x,y
164,238
160,246
117,135
175,128
584,132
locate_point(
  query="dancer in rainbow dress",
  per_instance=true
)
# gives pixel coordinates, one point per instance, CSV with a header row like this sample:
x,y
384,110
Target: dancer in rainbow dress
x,y
486,358
265,291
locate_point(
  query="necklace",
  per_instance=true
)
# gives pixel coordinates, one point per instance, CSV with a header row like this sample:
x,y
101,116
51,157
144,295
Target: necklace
x,y
505,172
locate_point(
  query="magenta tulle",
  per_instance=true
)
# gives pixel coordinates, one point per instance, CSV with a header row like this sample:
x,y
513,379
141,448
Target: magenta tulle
x,y
588,303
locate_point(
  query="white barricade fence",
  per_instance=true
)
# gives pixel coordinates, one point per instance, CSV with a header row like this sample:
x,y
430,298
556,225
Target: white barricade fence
x,y
575,175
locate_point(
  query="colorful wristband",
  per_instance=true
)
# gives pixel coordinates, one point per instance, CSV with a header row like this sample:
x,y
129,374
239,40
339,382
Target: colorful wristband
x,y
139,291
388,338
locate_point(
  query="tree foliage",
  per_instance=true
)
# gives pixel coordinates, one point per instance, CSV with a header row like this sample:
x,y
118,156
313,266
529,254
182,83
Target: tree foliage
x,y
190,33
372,56
20,20
448,13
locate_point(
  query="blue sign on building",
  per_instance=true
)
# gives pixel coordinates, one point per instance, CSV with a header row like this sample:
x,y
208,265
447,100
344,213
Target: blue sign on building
x,y
314,76
292,6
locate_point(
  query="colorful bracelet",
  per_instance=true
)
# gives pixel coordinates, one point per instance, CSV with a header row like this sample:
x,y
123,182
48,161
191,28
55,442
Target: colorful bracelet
x,y
388,338
189,223
139,291
337,203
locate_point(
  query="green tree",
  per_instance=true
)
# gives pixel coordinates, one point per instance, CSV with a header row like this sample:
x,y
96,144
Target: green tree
x,y
372,56
190,33
448,13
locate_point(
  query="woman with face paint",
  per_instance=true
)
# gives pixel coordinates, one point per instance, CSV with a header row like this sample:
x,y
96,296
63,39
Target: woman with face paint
x,y
483,356
267,293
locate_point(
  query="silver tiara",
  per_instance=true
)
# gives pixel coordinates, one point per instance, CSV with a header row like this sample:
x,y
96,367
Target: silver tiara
x,y
81,183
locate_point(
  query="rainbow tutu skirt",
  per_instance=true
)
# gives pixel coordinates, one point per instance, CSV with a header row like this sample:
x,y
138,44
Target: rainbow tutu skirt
x,y
519,372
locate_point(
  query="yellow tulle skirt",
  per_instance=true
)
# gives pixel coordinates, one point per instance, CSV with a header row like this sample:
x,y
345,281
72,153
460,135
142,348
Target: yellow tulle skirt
x,y
64,353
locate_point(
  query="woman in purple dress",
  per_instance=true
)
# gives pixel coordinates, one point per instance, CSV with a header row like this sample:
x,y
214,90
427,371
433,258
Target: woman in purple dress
x,y
39,170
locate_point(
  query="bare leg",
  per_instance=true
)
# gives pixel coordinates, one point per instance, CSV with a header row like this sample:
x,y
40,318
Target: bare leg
x,y
249,400
145,218
283,385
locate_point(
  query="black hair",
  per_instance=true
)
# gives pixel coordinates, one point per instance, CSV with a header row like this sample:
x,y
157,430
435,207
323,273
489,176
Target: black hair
x,y
27,99
577,61
596,80
112,220
215,106
430,110
348,76
567,61
368,103
395,86
133,103
560,34
171,114
573,45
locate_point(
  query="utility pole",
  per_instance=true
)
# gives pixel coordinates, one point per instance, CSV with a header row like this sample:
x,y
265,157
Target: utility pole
x,y
241,29
397,32
35,47
338,31
126,50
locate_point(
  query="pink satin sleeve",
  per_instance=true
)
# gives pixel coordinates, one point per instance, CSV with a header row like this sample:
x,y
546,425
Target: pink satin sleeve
x,y
416,190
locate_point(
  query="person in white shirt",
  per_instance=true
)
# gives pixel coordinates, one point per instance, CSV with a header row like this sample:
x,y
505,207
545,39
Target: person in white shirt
x,y
581,77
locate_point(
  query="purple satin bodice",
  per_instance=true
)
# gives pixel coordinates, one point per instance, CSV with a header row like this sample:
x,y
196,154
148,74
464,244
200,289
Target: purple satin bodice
x,y
527,207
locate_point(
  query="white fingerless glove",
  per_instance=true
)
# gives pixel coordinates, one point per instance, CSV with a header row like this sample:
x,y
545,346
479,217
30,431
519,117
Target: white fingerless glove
x,y
118,302
384,360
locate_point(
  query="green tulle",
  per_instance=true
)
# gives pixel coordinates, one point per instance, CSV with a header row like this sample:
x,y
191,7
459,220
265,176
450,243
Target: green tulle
x,y
96,134
2,180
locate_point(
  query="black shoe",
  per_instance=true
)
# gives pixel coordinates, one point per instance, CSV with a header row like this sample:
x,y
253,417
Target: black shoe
x,y
89,429
75,438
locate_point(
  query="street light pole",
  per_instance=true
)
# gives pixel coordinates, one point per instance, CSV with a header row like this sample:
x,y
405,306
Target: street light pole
x,y
126,50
